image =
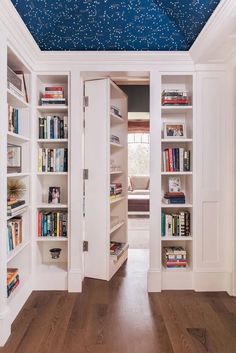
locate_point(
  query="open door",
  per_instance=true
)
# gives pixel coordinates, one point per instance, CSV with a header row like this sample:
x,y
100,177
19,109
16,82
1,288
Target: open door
x,y
105,218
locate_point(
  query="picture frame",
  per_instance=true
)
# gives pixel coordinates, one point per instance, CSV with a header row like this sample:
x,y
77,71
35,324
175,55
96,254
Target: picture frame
x,y
174,130
54,195
174,184
14,158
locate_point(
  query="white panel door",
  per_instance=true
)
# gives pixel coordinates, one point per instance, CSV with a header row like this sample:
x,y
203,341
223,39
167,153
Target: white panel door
x,y
97,145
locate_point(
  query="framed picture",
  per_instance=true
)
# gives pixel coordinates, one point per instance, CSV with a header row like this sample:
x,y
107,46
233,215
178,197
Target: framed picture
x,y
54,195
174,184
13,159
174,130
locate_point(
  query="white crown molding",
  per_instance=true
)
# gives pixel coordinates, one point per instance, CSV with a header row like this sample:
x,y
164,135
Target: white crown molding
x,y
214,33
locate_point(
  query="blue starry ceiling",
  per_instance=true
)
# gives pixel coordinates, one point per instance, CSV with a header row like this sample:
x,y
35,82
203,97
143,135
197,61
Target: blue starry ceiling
x,y
115,24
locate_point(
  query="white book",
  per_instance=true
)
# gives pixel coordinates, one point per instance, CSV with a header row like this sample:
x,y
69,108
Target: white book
x,y
48,126
65,121
181,159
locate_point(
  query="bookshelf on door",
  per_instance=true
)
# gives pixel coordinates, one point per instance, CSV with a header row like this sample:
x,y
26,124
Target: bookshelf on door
x,y
106,186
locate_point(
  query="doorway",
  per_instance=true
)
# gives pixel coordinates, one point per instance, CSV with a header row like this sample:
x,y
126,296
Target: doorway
x,y
112,221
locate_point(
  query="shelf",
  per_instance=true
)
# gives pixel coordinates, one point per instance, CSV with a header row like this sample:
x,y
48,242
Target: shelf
x,y
17,250
16,138
52,173
176,238
52,108
41,239
116,172
179,205
51,268
19,291
18,212
51,206
117,226
176,173
52,140
167,140
116,119
186,269
117,199
17,175
116,145
176,108
15,101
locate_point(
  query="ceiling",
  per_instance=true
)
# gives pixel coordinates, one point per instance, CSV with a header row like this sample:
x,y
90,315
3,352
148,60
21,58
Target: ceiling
x,y
88,25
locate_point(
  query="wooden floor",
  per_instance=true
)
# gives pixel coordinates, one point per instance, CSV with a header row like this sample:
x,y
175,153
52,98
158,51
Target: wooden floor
x,y
120,317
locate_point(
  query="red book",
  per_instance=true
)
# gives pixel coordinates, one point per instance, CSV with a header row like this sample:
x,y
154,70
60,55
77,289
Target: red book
x,y
171,160
53,95
167,160
54,88
40,224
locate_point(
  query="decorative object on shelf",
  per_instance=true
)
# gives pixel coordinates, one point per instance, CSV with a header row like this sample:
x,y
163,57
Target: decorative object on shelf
x,y
174,184
54,194
175,97
15,189
14,158
55,253
174,130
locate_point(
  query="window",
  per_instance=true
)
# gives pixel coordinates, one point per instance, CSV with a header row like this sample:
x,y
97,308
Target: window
x,y
138,153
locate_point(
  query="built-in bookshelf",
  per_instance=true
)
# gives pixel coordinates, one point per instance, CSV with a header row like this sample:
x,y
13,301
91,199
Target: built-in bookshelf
x,y
177,181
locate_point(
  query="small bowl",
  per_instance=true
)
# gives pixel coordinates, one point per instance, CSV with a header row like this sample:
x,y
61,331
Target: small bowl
x,y
55,253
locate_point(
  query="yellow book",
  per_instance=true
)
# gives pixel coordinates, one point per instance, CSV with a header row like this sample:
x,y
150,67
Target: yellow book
x,y
58,224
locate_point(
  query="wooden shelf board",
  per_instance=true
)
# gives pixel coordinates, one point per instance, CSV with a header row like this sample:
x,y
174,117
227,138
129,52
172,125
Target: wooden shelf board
x,y
117,172
53,239
16,138
176,173
117,226
51,173
51,206
176,108
179,205
17,250
116,145
167,140
176,238
52,140
177,270
117,199
17,175
52,108
15,101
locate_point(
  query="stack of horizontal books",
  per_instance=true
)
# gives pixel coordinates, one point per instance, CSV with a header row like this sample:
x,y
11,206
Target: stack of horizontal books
x,y
13,280
174,198
14,206
175,97
175,257
115,139
53,96
117,249
116,111
115,190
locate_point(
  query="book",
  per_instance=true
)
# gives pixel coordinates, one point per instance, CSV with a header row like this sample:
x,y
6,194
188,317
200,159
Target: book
x,y
13,119
176,160
13,280
175,224
53,160
53,127
14,233
52,224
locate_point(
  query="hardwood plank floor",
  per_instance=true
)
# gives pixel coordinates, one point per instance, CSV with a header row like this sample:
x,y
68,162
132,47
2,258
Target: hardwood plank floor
x,y
121,317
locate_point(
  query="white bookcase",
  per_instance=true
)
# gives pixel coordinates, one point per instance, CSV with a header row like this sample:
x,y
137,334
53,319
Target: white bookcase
x,y
178,278
51,273
106,162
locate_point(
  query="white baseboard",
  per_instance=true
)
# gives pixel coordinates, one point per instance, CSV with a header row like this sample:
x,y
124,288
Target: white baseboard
x,y
75,280
154,281
5,330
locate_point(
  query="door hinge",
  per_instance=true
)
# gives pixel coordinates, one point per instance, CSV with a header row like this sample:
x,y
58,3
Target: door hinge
x,y
85,245
84,123
85,174
86,101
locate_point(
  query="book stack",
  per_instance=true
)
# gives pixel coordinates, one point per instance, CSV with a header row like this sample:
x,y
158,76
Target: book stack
x,y
115,190
53,96
13,119
175,97
13,280
53,160
174,198
52,224
117,249
14,206
176,224
175,160
175,257
116,111
53,127
14,233
114,139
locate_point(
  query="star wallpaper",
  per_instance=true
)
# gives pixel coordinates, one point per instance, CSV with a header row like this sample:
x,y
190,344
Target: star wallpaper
x,y
115,25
